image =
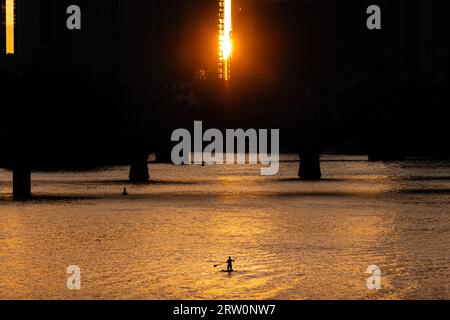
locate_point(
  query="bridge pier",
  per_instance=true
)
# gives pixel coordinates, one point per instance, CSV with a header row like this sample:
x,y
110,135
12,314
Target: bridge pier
x,y
21,183
139,169
310,166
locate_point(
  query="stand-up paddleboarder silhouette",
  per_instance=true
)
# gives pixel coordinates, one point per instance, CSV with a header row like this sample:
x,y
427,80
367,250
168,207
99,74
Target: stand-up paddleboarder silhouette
x,y
229,263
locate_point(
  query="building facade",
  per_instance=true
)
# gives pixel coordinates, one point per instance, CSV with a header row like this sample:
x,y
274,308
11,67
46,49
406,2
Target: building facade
x,y
310,39
143,41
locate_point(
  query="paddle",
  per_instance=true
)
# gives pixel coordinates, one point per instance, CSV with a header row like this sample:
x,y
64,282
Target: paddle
x,y
216,265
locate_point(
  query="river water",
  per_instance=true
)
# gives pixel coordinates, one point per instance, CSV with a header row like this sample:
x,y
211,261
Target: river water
x,y
291,239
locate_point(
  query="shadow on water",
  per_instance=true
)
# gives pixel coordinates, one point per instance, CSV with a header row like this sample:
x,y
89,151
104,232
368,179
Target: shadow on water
x,y
426,191
350,179
6,197
323,180
36,198
426,178
170,196
117,182
63,198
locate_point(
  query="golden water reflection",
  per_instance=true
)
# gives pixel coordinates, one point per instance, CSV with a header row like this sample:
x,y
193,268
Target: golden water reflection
x,y
292,240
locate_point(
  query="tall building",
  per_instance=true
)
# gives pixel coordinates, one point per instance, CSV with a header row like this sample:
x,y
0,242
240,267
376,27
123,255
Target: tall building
x,y
2,27
116,40
135,41
187,38
307,39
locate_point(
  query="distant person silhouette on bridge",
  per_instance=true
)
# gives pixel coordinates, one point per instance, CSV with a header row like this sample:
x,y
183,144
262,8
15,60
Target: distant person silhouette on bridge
x,y
230,264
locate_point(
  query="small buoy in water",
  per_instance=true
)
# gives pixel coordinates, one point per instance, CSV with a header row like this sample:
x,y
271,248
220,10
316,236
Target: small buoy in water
x,y
124,193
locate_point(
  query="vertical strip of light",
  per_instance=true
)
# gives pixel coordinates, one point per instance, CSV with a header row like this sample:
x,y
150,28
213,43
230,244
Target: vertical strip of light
x,y
9,26
225,37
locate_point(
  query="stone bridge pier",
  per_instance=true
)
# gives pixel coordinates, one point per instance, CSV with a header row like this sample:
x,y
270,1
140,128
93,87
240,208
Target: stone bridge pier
x,y
21,183
310,166
139,168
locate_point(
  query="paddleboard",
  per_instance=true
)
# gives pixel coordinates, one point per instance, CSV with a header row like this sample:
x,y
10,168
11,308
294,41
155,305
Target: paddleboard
x,y
228,271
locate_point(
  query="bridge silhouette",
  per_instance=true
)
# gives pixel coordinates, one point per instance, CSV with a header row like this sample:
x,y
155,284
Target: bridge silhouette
x,y
311,119
114,92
